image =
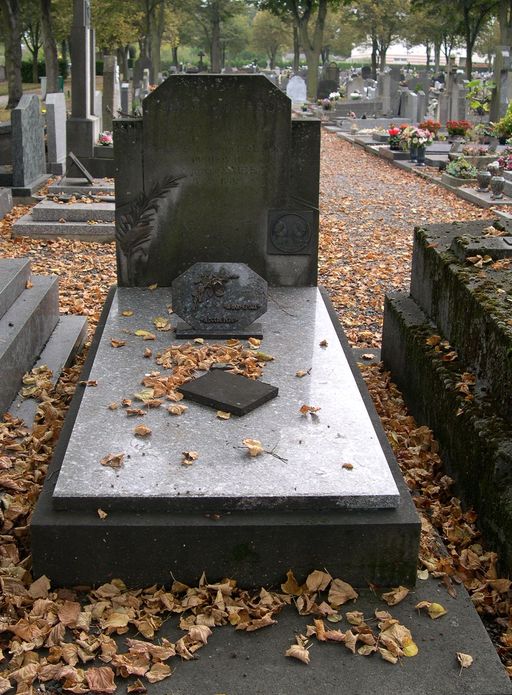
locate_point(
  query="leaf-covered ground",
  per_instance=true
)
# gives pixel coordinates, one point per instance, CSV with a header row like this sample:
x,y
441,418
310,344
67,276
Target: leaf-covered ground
x,y
369,209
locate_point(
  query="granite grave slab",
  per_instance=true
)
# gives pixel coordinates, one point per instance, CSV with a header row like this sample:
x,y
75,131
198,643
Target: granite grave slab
x,y
28,153
152,477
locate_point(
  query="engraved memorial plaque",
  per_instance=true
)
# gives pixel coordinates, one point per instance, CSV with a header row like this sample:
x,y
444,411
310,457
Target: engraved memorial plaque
x,y
290,232
219,300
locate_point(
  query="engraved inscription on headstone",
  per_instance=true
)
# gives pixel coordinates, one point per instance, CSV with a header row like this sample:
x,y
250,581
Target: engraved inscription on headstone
x,y
219,297
290,232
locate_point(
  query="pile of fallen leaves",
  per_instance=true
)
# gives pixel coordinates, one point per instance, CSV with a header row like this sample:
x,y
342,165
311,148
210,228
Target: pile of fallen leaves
x,y
53,636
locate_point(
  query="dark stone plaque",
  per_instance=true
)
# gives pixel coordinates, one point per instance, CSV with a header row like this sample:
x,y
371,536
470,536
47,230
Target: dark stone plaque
x,y
229,392
290,232
218,298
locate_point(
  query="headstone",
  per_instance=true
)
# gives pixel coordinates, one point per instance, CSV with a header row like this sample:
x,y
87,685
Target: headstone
x,y
296,90
111,97
141,64
125,97
331,72
326,87
56,132
28,153
207,173
422,106
366,72
502,94
98,108
82,127
219,299
395,78
409,105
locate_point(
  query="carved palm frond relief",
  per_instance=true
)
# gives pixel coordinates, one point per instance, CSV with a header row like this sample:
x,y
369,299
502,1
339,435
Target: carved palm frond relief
x,y
136,228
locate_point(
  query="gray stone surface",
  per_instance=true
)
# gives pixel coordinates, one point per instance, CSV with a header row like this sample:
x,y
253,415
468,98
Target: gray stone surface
x,y
29,161
56,132
495,247
14,273
51,211
83,126
315,446
85,231
5,202
111,91
296,90
214,155
64,344
219,296
24,330
80,186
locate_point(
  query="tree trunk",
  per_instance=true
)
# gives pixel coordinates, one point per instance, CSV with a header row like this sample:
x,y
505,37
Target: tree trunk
x,y
375,49
175,56
382,54
428,50
122,59
49,47
505,22
296,50
35,67
215,53
11,16
437,57
313,46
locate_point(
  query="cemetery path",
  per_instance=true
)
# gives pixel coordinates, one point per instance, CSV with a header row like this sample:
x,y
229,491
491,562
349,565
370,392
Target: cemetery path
x,y
369,209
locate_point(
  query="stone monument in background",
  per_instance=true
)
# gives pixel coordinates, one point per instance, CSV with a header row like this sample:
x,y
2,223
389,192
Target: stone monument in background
x,y
82,127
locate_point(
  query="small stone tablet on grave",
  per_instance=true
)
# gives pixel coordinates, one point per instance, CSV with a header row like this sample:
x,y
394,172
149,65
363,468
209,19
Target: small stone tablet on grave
x,y
219,300
231,393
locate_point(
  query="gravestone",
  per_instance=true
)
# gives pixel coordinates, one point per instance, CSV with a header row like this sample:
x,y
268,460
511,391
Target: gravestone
x,y
189,191
331,72
502,92
422,106
141,64
366,72
296,90
111,96
219,300
125,97
192,187
326,87
28,153
56,132
395,78
83,126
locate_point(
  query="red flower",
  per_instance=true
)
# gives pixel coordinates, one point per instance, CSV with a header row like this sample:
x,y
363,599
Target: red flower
x,y
394,131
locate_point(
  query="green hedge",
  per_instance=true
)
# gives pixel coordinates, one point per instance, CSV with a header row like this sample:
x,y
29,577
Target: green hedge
x,y
26,69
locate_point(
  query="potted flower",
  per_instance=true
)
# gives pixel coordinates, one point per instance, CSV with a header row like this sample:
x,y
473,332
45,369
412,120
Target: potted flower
x,y
394,138
503,127
459,172
105,138
458,128
326,104
420,138
431,125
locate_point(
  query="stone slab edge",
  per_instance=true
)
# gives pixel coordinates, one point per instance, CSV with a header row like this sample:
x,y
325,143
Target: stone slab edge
x,y
476,449
64,344
27,226
18,270
243,543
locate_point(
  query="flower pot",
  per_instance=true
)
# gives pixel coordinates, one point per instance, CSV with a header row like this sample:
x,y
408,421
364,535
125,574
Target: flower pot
x,y
421,156
413,153
497,185
484,179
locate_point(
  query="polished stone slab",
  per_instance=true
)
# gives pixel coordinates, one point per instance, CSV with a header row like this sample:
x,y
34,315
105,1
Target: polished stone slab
x,y
304,466
51,211
14,273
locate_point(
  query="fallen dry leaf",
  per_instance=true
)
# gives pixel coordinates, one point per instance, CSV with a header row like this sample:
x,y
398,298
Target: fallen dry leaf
x,y
254,447
113,460
142,431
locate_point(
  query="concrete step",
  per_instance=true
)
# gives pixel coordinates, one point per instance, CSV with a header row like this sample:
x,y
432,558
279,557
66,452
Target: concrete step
x,y
64,344
85,231
51,211
14,273
24,331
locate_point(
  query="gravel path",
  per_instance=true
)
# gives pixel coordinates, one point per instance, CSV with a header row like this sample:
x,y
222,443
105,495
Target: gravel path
x,y
369,209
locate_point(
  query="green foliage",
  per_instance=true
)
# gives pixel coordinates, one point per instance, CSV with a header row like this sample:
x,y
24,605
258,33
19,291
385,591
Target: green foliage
x,y
26,70
503,128
461,168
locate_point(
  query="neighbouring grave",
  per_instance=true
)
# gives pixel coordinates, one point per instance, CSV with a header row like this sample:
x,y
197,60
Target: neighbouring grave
x,y
56,132
28,153
296,90
304,479
448,346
